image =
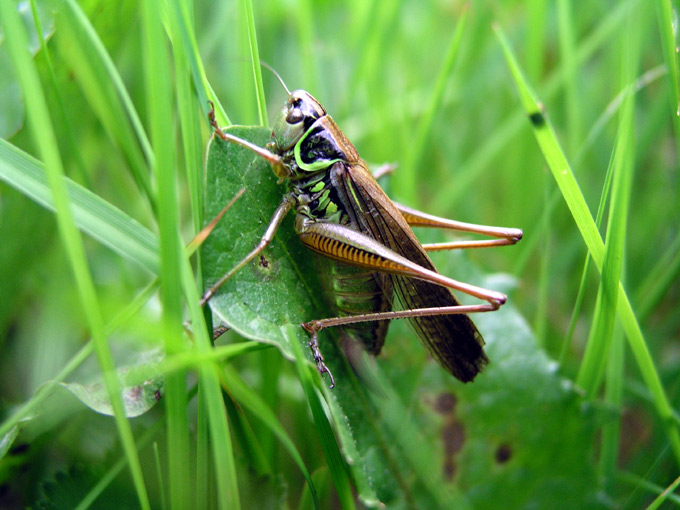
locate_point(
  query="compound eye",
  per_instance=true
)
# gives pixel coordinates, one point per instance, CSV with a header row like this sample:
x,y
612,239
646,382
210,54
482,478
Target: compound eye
x,y
294,116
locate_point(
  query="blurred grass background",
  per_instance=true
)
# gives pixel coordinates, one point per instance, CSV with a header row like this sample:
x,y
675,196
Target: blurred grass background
x,y
468,154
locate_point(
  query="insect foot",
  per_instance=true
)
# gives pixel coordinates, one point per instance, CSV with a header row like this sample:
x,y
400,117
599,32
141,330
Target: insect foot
x,y
310,327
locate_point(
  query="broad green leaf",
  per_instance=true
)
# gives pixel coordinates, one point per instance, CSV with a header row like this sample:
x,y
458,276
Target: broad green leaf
x,y
520,422
524,425
275,289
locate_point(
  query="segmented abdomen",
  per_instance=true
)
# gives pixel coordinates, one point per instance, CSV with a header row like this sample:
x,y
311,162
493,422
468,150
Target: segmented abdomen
x,y
349,290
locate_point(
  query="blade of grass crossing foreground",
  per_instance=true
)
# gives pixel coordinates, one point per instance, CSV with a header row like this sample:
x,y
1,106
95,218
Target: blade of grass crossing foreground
x,y
107,478
184,34
93,215
271,361
612,351
578,302
253,457
612,108
218,426
159,99
204,474
159,474
659,280
45,140
223,453
640,484
557,162
600,335
369,48
328,443
190,123
185,64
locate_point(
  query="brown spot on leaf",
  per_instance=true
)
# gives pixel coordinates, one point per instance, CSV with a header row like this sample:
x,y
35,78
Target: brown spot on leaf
x,y
452,431
453,438
503,453
445,403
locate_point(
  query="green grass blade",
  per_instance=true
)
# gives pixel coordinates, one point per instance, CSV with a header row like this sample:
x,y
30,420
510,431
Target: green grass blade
x,y
640,484
364,70
665,495
44,137
65,120
92,214
611,109
116,469
611,432
602,329
188,116
159,98
567,38
252,401
659,280
104,88
535,38
669,46
184,35
255,59
407,177
204,474
330,446
76,360
559,166
223,452
472,169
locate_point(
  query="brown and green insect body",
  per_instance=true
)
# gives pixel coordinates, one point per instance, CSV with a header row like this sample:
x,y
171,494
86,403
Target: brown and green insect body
x,y
348,290
366,249
322,166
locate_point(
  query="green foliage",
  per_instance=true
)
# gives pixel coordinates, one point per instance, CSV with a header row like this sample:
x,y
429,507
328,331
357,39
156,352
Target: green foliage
x,y
103,111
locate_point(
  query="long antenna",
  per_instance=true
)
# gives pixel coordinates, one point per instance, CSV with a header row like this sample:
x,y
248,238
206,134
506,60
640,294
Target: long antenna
x,y
267,66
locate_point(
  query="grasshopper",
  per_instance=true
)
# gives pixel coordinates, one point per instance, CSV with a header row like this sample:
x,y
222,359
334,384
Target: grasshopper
x,y
367,251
